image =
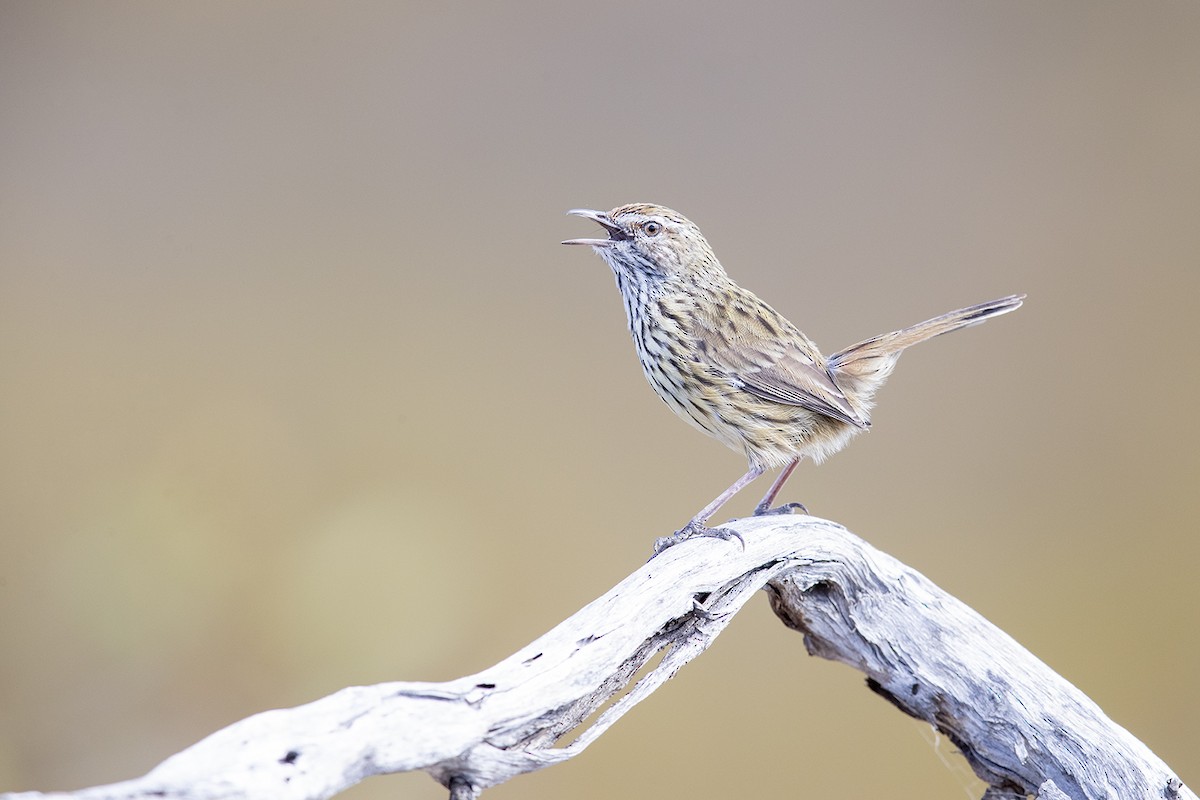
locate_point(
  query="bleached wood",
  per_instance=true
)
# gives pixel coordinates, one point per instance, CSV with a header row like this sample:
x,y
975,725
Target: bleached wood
x,y
1023,728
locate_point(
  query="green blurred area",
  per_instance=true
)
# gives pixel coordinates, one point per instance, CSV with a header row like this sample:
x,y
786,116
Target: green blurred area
x,y
298,389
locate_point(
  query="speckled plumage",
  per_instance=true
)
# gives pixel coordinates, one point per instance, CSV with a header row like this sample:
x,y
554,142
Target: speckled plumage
x,y
729,364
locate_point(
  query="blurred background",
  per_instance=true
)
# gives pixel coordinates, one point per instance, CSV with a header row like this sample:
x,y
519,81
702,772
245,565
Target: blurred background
x,y
298,389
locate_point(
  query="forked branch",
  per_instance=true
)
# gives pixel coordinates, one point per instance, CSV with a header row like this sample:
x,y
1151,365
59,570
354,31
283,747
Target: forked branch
x,y
1023,728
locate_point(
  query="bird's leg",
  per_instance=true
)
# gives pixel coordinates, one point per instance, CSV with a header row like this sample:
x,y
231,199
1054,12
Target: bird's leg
x,y
764,507
697,528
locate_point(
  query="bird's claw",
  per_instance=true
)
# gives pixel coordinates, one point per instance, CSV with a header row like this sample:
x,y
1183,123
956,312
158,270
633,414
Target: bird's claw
x,y
786,508
695,530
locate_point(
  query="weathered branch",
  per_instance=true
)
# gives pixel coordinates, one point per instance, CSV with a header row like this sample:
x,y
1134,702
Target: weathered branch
x,y
1023,728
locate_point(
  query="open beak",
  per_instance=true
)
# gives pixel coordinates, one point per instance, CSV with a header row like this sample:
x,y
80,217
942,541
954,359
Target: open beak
x,y
615,234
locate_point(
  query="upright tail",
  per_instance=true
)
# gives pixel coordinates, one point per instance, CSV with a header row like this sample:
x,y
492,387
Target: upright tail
x,y
862,368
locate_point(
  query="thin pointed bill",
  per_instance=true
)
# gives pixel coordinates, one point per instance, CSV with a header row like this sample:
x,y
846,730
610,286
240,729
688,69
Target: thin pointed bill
x,y
615,234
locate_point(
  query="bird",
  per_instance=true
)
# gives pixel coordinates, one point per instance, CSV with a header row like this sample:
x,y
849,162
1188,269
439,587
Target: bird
x,y
733,367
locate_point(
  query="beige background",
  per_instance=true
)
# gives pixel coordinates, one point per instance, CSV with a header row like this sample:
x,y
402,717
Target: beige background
x,y
298,389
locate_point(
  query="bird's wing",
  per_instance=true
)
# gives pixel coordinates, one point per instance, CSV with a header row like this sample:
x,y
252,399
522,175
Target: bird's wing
x,y
779,365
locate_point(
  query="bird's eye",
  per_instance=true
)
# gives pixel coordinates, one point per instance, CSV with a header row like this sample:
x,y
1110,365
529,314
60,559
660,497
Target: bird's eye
x,y
652,228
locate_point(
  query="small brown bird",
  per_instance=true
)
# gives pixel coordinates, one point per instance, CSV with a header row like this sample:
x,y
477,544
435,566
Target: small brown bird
x,y
732,366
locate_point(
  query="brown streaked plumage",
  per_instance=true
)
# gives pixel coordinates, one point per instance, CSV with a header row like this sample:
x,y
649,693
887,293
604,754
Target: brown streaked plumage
x,y
732,366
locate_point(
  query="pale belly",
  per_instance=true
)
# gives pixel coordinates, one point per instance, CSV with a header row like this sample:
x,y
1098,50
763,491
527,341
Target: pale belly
x,y
769,434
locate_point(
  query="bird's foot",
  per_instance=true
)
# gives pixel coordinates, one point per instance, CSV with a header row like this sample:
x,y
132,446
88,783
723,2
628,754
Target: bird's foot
x,y
763,510
695,530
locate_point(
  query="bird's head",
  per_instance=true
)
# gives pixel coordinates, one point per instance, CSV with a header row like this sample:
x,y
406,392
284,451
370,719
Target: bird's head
x,y
651,243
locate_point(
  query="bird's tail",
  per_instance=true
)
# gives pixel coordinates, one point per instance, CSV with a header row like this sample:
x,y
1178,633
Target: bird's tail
x,y
863,367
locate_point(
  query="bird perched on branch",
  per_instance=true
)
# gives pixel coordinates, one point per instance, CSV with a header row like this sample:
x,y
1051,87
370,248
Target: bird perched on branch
x,y
732,366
